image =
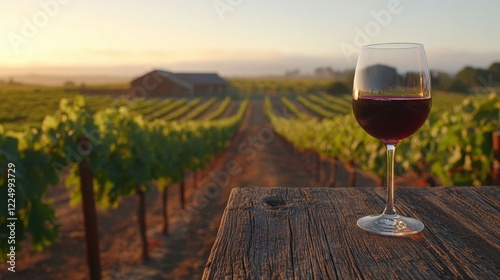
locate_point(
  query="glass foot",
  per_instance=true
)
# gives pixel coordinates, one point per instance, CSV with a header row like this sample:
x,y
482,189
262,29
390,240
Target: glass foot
x,y
392,225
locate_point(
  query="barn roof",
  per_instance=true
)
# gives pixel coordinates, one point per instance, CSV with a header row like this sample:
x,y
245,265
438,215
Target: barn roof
x,y
173,78
188,80
201,78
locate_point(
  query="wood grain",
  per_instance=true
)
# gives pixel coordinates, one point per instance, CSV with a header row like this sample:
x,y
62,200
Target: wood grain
x,y
311,233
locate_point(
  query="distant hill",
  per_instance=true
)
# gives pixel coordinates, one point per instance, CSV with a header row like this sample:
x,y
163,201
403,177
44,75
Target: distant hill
x,y
52,80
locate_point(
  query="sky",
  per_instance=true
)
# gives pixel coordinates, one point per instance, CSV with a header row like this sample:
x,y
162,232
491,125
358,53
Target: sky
x,y
237,37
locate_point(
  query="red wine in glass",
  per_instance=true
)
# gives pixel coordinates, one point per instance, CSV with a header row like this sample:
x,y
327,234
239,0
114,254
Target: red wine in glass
x,y
391,119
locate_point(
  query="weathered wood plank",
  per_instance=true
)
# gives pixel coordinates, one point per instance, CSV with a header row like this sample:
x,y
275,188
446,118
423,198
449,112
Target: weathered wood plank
x,y
311,233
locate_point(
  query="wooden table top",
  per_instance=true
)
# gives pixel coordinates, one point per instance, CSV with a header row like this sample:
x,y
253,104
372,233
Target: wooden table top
x,y
311,233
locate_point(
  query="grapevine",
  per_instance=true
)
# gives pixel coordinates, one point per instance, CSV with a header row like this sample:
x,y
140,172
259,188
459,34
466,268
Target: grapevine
x,y
127,154
220,110
455,145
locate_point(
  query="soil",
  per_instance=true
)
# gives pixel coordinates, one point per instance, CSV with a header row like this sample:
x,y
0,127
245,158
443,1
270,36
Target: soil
x,y
231,109
255,158
302,108
209,111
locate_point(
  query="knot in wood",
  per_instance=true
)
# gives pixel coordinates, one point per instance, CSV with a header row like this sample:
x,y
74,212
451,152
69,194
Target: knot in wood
x,y
274,202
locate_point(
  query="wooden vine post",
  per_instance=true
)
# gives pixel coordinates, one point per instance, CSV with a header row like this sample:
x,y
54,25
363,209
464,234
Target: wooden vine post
x,y
141,219
165,210
333,172
182,190
352,174
89,213
321,170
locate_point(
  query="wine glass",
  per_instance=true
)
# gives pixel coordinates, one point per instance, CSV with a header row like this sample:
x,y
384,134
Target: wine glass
x,y
391,100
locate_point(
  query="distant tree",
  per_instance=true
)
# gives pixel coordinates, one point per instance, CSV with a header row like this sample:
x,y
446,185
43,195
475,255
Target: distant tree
x,y
69,83
349,78
493,75
338,88
495,67
11,81
319,72
468,76
440,80
292,73
458,86
324,72
472,77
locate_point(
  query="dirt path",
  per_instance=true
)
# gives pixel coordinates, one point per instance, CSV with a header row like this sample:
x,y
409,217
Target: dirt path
x,y
256,158
209,111
259,159
303,109
231,109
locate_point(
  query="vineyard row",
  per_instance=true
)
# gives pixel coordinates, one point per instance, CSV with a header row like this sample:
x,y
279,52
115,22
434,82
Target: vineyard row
x,y
455,146
125,154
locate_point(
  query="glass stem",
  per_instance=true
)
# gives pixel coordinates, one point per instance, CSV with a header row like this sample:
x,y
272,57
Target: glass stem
x,y
389,206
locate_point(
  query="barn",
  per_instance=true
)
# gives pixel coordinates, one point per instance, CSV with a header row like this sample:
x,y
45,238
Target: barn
x,y
160,83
